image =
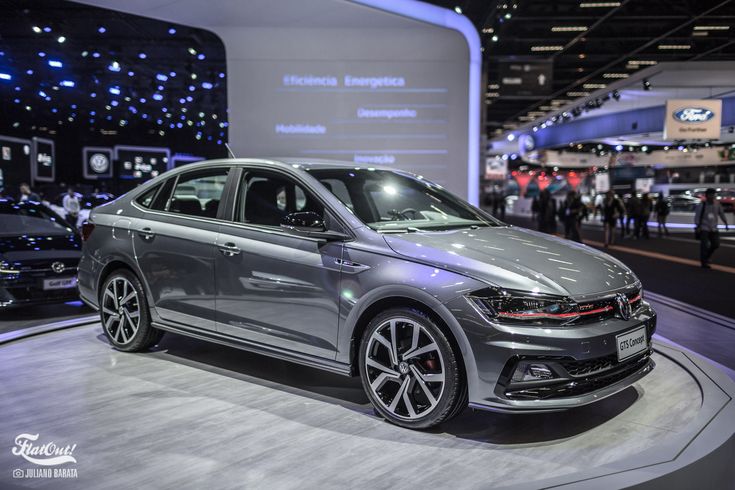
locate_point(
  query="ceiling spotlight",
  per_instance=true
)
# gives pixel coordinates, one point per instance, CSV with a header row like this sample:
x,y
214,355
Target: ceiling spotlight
x,y
192,51
458,9
61,39
511,137
114,66
619,148
646,84
37,29
101,29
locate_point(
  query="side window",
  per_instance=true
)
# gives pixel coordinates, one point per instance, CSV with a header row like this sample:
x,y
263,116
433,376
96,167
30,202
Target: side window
x,y
146,199
198,193
161,199
265,198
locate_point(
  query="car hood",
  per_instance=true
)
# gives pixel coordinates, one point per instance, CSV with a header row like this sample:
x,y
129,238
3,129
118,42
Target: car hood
x,y
516,258
30,249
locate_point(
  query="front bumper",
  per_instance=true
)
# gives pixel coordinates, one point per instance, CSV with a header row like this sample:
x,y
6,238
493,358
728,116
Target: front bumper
x,y
27,289
582,357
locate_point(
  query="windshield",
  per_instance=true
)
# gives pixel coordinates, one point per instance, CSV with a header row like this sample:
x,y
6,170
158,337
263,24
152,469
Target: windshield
x,y
391,201
31,219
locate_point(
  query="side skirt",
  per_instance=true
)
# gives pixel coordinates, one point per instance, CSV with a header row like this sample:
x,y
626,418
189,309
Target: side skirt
x,y
285,355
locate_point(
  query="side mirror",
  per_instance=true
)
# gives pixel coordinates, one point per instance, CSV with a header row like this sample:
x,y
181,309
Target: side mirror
x,y
305,222
310,224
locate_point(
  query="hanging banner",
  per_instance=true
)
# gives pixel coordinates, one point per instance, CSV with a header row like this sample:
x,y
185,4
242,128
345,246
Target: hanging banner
x,y
688,119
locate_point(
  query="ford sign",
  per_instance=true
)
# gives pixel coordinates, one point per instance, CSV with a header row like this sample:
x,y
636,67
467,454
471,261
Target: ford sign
x,y
693,114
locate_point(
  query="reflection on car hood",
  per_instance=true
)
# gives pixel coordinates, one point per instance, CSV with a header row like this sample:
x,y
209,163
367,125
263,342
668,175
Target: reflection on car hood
x,y
516,258
31,248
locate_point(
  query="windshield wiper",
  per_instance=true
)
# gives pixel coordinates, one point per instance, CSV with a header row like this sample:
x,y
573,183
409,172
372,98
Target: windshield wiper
x,y
408,229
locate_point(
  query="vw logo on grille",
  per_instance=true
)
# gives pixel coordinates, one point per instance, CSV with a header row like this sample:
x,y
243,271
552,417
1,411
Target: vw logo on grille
x,y
623,306
58,267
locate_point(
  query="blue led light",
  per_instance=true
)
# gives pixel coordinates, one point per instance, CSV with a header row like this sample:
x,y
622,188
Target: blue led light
x,y
114,66
172,74
131,73
73,106
142,100
207,85
47,29
171,30
192,88
5,76
200,56
95,55
92,113
114,103
93,95
29,72
67,83
142,55
115,90
161,77
157,96
222,75
55,63
102,30
42,93
41,54
182,101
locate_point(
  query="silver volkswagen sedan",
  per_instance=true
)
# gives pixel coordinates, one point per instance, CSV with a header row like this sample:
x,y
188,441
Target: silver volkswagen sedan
x,y
368,272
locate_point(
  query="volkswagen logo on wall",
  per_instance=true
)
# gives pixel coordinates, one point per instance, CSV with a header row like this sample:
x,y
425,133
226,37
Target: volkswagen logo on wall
x,y
623,304
693,114
99,163
58,267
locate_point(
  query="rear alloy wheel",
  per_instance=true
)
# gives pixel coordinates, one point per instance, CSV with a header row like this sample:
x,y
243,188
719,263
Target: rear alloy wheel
x,y
124,313
409,370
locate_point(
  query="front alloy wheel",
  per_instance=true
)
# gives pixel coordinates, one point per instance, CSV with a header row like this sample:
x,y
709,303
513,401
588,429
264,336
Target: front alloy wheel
x,y
409,369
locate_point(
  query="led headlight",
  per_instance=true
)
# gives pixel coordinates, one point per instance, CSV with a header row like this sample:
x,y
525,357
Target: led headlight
x,y
524,307
6,269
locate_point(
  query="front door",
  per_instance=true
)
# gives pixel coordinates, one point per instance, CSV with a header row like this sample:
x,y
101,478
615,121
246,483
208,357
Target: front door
x,y
272,287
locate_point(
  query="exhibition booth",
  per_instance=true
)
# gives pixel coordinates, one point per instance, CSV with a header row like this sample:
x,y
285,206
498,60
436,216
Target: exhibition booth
x,y
303,197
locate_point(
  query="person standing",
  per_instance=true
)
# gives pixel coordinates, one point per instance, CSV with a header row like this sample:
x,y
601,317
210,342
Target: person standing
x,y
612,210
71,206
571,215
662,209
26,194
645,215
633,215
706,217
546,212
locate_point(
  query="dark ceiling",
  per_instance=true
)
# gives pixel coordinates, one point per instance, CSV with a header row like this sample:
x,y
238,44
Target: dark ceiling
x,y
588,39
72,69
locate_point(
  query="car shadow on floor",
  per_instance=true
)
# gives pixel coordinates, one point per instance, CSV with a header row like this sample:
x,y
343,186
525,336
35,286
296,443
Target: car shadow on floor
x,y
474,425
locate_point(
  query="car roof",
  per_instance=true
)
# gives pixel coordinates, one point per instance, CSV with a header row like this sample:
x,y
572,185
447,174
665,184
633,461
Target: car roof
x,y
288,162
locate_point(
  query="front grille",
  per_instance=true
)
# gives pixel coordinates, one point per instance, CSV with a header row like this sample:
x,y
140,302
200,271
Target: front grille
x,y
589,366
30,294
604,308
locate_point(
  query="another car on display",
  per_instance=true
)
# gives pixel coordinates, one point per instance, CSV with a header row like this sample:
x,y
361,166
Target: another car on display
x,y
726,197
39,254
368,272
683,203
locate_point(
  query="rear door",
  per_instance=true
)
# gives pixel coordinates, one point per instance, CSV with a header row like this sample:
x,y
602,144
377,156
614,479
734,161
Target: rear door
x,y
175,247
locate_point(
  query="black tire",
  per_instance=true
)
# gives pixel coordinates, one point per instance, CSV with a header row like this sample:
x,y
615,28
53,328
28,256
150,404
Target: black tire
x,y
452,398
146,336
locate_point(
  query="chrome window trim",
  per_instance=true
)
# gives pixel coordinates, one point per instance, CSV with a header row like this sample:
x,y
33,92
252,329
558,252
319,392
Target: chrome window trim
x,y
252,227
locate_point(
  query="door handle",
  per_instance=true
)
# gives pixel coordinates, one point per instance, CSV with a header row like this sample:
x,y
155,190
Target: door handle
x,y
229,249
146,233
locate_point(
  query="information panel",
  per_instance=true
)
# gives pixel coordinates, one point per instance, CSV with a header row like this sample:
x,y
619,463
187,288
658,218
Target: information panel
x,y
15,163
44,160
140,162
